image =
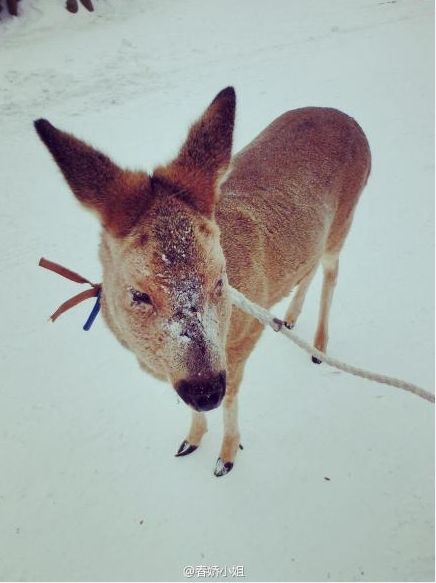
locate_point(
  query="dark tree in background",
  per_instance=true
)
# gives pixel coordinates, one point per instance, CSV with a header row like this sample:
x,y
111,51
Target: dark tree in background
x,y
70,5
73,5
11,6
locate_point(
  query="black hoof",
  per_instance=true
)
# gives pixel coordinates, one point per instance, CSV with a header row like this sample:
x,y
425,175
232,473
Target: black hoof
x,y
221,468
185,449
316,360
288,325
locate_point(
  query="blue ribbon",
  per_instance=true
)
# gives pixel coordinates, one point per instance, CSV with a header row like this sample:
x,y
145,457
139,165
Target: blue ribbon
x,y
94,313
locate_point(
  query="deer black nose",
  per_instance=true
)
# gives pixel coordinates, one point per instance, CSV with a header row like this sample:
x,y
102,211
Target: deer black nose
x,y
203,393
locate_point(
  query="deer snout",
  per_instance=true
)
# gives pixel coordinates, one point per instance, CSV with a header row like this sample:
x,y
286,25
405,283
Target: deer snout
x,y
203,393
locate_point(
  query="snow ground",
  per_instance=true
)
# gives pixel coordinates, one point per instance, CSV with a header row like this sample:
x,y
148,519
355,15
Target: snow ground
x,y
89,488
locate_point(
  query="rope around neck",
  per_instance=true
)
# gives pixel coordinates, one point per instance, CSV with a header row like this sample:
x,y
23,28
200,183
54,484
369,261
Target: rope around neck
x,y
266,318
246,305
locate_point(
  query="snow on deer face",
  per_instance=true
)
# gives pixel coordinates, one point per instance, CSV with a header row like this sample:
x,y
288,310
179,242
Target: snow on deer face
x,y
165,289
166,295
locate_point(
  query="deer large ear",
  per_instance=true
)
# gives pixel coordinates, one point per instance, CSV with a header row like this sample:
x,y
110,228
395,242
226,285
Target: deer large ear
x,y
205,156
118,196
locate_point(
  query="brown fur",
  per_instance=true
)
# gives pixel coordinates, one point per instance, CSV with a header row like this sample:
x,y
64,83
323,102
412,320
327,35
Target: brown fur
x,y
181,235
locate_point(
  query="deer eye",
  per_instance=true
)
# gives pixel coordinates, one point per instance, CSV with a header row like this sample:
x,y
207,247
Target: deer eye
x,y
219,286
139,297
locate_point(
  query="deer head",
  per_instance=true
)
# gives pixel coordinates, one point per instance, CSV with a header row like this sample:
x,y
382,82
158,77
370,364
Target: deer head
x,y
165,288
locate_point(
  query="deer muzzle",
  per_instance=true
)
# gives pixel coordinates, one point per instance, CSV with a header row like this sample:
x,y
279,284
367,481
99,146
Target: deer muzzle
x,y
203,392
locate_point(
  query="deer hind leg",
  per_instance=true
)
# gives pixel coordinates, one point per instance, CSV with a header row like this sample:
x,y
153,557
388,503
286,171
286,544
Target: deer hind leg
x,y
330,263
296,305
196,432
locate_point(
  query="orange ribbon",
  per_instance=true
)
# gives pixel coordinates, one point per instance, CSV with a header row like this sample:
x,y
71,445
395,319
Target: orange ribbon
x,y
93,292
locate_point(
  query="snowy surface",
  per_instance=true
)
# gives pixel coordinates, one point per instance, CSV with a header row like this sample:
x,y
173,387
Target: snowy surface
x,y
89,487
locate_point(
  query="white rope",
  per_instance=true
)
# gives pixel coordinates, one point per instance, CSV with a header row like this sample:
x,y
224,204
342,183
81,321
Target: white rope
x,y
266,318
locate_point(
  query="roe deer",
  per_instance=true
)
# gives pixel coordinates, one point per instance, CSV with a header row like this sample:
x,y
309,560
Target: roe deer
x,y
173,241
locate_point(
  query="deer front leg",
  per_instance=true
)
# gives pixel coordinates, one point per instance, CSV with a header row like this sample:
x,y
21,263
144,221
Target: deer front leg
x,y
237,355
231,440
196,432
